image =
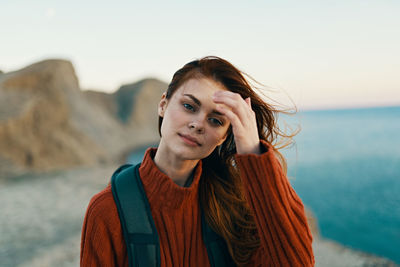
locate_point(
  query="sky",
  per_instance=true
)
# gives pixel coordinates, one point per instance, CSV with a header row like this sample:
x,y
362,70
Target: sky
x,y
311,54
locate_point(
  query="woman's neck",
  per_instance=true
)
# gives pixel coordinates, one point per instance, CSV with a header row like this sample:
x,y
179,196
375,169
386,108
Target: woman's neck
x,y
178,169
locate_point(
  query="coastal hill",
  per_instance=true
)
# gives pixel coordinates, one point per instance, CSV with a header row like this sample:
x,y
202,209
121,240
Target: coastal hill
x,y
134,108
47,122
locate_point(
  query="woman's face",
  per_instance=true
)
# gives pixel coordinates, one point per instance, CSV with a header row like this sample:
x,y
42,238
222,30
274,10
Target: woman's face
x,y
191,127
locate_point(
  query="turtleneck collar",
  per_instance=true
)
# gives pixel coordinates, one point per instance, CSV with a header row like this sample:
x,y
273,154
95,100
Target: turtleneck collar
x,y
161,190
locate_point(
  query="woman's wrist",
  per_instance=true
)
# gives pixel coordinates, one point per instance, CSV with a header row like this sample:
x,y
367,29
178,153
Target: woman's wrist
x,y
251,149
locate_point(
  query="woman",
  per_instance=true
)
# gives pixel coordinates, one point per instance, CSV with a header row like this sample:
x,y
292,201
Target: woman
x,y
215,157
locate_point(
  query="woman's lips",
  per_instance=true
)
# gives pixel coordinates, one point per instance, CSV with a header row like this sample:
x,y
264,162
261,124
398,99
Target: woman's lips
x,y
189,140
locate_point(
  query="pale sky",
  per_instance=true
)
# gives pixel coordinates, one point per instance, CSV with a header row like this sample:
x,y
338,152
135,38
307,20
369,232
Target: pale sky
x,y
321,54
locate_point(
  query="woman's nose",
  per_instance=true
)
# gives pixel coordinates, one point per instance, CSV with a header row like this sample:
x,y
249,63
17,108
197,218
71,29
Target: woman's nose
x,y
197,126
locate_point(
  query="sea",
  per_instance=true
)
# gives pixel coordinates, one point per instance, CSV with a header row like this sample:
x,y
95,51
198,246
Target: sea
x,y
345,166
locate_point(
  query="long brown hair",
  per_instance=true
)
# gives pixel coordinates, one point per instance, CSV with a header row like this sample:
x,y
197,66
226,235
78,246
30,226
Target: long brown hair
x,y
221,190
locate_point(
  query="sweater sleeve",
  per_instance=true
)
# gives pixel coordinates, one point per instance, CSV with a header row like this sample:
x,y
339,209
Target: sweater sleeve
x,y
102,242
279,212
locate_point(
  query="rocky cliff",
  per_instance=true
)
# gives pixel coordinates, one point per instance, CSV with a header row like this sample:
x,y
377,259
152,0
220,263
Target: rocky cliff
x,y
134,107
36,128
47,122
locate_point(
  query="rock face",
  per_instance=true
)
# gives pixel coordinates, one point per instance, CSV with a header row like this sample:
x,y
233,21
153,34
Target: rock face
x,y
138,102
134,106
36,131
47,122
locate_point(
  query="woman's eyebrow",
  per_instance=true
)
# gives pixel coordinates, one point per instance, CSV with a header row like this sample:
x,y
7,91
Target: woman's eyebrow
x,y
199,104
195,100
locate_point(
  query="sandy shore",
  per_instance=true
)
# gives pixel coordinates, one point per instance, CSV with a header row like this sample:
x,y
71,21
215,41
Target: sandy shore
x,y
42,215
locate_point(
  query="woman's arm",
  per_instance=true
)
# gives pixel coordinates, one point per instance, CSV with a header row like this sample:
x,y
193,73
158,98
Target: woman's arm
x,y
102,242
278,211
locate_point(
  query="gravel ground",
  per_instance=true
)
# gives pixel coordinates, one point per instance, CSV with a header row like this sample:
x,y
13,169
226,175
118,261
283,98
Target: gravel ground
x,y
42,215
41,218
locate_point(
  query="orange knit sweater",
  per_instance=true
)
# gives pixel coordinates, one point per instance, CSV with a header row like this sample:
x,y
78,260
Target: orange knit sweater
x,y
279,214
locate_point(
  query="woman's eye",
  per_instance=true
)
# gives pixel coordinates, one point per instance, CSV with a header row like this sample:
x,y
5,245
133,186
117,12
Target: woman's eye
x,y
188,107
215,121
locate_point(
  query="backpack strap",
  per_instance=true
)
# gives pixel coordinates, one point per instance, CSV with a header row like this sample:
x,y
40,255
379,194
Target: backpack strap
x,y
217,249
138,227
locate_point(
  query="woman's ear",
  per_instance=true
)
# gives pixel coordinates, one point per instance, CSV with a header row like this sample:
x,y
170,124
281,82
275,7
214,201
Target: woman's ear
x,y
162,105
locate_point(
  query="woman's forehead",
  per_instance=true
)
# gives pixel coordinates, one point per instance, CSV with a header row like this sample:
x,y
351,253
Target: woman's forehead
x,y
200,86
